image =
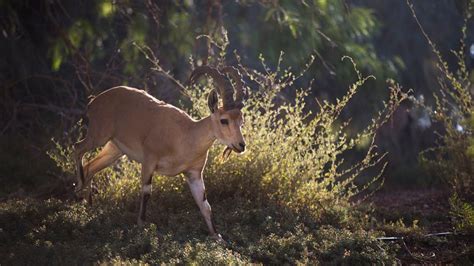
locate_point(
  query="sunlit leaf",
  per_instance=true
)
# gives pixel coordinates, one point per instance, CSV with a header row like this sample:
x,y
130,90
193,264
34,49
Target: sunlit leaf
x,y
106,8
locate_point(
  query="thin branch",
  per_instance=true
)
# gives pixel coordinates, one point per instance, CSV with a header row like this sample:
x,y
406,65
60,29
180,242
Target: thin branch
x,y
150,56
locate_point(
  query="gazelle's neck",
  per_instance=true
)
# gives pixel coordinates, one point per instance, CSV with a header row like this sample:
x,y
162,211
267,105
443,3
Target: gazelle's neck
x,y
203,134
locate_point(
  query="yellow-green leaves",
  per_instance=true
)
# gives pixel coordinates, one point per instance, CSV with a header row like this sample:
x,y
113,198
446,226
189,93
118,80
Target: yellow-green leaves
x,y
106,8
57,54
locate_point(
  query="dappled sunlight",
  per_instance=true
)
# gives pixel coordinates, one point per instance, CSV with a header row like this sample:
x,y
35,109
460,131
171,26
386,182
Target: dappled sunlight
x,y
349,139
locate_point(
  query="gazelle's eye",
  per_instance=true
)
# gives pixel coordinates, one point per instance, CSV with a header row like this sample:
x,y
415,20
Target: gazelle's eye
x,y
224,121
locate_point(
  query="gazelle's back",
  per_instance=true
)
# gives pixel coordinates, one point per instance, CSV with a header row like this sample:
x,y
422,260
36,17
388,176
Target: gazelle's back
x,y
128,116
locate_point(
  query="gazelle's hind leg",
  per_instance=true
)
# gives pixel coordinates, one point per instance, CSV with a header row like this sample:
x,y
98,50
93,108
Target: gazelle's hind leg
x,y
109,154
80,148
148,167
94,138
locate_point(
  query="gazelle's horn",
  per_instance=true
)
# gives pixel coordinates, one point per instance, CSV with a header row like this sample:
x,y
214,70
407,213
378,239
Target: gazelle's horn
x,y
221,83
239,85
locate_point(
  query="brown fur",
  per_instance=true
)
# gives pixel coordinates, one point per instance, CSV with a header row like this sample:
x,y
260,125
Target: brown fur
x,y
160,136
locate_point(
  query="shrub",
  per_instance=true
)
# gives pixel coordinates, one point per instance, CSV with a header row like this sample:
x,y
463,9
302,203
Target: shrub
x,y
294,157
52,232
453,159
294,170
463,214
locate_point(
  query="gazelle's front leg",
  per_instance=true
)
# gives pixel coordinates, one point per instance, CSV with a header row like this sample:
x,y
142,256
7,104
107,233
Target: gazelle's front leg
x,y
196,184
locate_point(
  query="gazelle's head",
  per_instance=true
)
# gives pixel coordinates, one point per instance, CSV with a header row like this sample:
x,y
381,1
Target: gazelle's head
x,y
226,120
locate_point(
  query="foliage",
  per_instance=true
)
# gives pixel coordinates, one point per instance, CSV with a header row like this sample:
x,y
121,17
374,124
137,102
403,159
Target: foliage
x,y
291,178
463,214
88,47
453,158
59,232
287,200
295,157
400,228
328,27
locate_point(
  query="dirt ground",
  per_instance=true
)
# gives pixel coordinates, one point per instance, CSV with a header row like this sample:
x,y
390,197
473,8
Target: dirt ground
x,y
422,226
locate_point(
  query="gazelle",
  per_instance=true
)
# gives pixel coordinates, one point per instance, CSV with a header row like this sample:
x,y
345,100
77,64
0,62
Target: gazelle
x,y
161,137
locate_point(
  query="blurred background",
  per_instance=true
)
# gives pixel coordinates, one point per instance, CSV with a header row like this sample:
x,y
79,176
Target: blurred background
x,y
54,54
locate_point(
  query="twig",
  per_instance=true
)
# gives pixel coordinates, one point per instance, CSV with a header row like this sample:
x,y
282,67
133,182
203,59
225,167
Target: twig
x,y
426,235
328,67
150,56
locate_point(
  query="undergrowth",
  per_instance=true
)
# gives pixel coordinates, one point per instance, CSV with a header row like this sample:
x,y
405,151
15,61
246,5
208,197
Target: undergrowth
x,y
453,158
286,200
52,232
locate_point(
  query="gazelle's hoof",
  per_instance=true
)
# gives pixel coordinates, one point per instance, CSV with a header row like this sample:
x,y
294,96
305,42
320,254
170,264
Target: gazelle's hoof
x,y
218,238
77,189
79,195
140,223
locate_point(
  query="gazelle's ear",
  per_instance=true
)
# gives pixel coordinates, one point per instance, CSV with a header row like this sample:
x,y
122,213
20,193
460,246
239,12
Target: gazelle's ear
x,y
213,101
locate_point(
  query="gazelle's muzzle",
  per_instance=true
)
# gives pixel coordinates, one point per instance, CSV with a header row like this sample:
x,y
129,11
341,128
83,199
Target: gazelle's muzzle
x,y
239,148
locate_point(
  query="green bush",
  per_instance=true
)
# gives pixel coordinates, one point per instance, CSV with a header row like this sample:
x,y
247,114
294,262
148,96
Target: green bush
x,y
453,159
294,156
269,202
59,232
463,214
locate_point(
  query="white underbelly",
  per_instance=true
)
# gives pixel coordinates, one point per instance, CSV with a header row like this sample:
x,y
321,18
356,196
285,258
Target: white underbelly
x,y
167,165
